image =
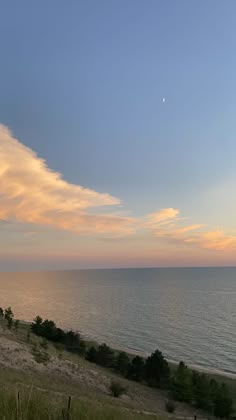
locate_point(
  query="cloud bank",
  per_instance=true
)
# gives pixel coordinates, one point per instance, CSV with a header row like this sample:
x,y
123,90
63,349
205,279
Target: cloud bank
x,y
30,192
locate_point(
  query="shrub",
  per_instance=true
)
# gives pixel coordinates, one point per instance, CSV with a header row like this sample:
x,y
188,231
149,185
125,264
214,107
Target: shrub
x,y
170,406
117,389
8,313
40,356
9,322
1,313
91,354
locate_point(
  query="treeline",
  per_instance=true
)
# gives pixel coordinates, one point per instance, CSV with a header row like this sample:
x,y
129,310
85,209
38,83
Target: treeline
x,y
71,340
183,384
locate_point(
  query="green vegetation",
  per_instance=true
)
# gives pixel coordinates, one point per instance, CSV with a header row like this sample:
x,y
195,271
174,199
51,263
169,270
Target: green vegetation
x,y
204,393
40,356
72,341
183,384
35,405
117,389
170,406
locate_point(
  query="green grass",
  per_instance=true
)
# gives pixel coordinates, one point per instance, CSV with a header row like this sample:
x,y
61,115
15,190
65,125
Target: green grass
x,y
34,405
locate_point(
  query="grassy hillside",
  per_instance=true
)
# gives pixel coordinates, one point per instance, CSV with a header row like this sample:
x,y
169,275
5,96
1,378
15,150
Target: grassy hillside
x,y
37,377
32,404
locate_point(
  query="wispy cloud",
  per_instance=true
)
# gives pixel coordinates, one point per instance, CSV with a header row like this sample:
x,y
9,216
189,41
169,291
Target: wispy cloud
x,y
167,223
32,193
214,240
161,217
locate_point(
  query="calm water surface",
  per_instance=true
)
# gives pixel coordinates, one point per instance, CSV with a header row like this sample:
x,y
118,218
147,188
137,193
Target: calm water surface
x,y
188,313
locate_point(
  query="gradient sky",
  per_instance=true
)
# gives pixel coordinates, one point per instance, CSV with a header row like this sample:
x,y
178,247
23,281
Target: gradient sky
x,y
103,172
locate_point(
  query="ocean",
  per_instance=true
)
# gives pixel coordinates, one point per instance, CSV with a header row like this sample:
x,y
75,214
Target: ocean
x,y
187,313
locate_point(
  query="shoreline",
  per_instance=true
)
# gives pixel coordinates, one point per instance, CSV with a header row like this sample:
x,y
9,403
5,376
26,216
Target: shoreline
x,y
173,363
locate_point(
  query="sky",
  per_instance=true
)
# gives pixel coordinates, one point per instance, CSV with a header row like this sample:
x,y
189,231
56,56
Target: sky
x,y
96,169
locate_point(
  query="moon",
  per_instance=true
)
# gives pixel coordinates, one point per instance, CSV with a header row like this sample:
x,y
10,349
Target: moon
x,y
163,100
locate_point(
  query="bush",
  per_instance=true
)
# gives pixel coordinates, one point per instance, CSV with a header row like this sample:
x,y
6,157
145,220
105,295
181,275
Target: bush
x,y
170,406
8,313
91,354
40,356
9,323
117,389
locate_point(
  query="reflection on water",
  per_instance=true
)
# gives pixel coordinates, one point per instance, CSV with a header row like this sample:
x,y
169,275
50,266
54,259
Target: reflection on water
x,y
187,313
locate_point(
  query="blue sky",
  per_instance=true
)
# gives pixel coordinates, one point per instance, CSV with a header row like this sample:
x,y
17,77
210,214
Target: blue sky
x,y
82,84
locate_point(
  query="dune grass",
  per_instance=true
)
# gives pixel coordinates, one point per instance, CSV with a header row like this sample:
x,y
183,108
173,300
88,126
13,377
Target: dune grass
x,y
34,405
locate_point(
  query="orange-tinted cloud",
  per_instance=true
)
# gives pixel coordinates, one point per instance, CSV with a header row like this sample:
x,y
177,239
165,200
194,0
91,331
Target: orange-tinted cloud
x,y
163,216
32,193
214,239
166,224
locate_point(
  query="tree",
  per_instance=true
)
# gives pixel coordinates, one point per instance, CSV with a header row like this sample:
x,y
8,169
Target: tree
x,y
105,356
122,363
136,369
223,404
1,313
157,370
36,325
60,336
72,341
182,384
202,391
48,329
